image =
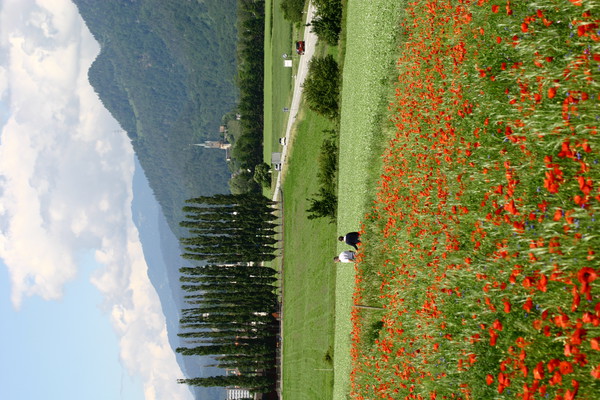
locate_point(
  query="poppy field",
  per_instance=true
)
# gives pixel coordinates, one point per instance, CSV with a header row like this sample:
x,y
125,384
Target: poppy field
x,y
478,271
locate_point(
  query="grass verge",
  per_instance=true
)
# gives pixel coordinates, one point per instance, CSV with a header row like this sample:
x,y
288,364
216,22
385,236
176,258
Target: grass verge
x,y
278,79
309,274
369,59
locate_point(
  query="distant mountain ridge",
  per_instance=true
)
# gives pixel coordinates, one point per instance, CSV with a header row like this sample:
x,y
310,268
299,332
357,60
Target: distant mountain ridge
x,y
166,72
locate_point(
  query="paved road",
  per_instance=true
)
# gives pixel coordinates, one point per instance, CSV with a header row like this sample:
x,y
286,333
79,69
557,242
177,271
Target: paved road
x,y
310,40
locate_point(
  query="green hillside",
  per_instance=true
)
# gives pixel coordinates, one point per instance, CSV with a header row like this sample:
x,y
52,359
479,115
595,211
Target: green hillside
x,y
166,72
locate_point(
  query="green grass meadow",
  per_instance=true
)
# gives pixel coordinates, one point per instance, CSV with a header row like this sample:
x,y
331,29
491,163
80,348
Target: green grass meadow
x,y
317,291
309,273
368,69
478,204
278,79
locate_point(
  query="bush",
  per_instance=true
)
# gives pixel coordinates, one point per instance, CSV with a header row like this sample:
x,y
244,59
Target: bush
x,y
262,175
327,23
243,182
292,10
328,161
322,86
372,333
324,204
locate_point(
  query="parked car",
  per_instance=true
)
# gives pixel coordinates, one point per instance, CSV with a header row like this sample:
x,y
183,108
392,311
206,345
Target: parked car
x,y
300,47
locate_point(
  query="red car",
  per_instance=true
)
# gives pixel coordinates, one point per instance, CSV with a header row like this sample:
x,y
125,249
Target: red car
x,y
300,47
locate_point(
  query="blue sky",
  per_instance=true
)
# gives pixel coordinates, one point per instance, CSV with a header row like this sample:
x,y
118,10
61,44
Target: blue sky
x,y
78,313
66,348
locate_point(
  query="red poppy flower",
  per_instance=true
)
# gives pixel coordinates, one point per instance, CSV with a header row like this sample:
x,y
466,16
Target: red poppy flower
x,y
493,337
527,306
497,325
507,305
577,336
571,393
562,320
542,283
584,28
585,276
565,367
511,208
538,372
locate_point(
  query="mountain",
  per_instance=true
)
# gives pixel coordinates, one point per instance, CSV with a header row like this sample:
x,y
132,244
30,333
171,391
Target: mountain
x,y
166,71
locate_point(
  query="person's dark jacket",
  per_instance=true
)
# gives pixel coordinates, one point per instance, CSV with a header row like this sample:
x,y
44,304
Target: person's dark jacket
x,y
352,239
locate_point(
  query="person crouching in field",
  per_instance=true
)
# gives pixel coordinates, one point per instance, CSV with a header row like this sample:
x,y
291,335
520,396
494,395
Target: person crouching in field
x,y
352,239
345,257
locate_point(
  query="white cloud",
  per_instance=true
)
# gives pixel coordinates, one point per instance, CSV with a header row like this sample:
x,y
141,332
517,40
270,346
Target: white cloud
x,y
3,82
65,185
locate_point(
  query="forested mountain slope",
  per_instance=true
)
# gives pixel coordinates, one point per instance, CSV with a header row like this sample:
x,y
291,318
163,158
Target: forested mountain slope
x,y
166,72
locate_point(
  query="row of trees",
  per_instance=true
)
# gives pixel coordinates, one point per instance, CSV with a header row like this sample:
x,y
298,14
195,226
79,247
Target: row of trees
x,y
247,149
230,295
322,91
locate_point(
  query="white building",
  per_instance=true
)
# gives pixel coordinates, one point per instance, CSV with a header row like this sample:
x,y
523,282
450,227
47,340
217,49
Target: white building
x,y
235,394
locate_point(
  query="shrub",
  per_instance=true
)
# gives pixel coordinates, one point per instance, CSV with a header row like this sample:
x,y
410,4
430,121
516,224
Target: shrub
x,y
262,175
327,23
322,86
292,10
324,203
242,182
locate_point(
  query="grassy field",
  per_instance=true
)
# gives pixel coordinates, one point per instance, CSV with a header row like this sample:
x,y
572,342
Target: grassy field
x,y
473,173
371,42
481,243
278,79
309,274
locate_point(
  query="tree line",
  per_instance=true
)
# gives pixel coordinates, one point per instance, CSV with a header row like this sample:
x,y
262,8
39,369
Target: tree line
x,y
247,149
231,303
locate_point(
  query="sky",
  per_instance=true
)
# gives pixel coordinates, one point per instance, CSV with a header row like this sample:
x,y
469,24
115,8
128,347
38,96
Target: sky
x,y
79,316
